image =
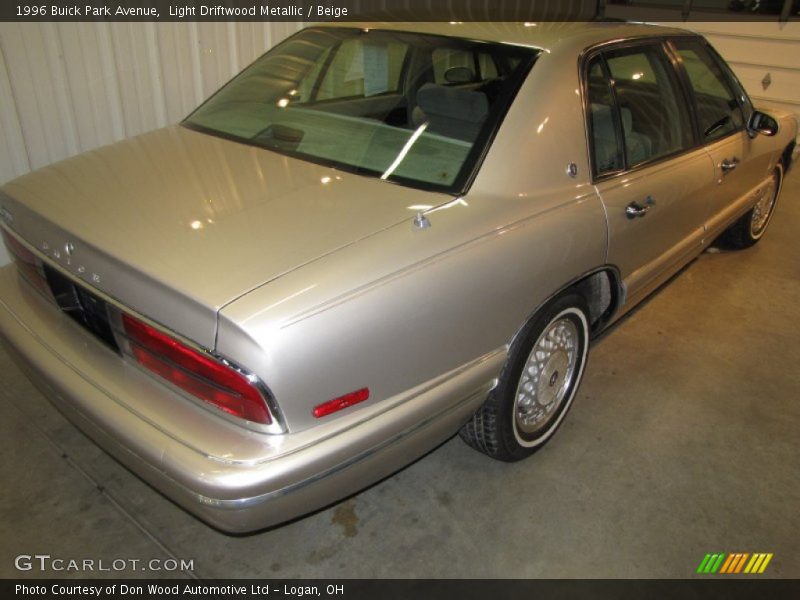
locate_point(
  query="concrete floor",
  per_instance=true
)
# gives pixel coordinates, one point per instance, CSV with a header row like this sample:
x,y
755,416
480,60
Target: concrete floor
x,y
683,440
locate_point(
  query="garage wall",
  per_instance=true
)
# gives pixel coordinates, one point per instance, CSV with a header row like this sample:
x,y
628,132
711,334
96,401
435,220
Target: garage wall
x,y
69,87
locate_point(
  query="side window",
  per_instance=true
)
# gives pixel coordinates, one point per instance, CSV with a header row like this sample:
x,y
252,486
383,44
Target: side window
x,y
606,145
654,119
359,70
718,111
735,84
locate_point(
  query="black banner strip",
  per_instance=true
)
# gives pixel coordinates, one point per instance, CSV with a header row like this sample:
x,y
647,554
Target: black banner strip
x,y
350,589
380,10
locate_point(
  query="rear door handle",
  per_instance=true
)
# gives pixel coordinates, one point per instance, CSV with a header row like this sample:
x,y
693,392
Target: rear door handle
x,y
634,209
729,165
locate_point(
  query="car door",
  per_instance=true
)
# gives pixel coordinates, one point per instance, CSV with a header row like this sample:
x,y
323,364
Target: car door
x,y
651,175
721,108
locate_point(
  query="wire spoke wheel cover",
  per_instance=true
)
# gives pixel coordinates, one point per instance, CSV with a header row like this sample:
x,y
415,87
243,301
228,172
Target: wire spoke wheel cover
x,y
763,208
549,377
751,226
548,374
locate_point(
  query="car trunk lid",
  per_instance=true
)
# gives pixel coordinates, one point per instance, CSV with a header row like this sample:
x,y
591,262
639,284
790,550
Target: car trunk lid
x,y
176,224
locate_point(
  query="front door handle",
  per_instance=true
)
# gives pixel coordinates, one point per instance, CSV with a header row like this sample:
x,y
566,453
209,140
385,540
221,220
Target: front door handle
x,y
634,209
729,165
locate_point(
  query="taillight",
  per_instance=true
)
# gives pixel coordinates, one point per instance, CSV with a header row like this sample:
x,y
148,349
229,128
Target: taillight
x,y
17,249
28,265
197,373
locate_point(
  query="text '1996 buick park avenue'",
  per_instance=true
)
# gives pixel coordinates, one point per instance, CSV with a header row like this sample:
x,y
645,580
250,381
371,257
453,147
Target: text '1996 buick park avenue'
x,y
374,237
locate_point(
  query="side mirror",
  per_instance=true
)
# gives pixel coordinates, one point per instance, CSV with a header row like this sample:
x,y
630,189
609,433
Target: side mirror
x,y
762,123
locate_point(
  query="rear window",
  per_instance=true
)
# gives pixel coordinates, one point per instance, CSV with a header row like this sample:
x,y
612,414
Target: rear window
x,y
414,109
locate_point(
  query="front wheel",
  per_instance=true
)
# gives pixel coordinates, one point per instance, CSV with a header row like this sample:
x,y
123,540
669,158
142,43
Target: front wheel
x,y
538,383
751,227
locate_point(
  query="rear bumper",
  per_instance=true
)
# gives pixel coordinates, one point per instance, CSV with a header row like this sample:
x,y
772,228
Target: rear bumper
x,y
234,479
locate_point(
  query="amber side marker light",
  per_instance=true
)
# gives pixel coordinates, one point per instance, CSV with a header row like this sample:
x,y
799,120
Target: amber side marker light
x,y
196,373
337,404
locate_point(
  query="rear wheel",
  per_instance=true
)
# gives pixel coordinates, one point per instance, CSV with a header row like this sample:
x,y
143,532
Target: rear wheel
x,y
538,383
751,227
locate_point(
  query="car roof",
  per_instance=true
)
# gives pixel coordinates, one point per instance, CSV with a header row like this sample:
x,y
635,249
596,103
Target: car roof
x,y
546,36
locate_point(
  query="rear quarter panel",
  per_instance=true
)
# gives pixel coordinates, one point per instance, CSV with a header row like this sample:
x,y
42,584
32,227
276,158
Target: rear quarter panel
x,y
402,307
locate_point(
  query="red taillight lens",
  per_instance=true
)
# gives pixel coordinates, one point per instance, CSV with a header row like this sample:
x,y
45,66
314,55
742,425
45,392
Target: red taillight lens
x,y
192,371
17,249
26,262
331,406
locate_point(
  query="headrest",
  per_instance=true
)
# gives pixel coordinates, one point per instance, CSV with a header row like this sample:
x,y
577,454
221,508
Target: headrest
x,y
454,103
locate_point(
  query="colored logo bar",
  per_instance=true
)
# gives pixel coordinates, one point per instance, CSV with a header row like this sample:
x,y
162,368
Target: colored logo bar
x,y
736,562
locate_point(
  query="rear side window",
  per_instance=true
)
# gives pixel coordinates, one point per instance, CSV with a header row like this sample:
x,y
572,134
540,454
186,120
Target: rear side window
x,y
718,111
652,111
636,110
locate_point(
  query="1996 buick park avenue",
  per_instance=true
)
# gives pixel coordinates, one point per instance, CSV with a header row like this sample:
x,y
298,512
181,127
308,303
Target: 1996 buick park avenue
x,y
372,238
